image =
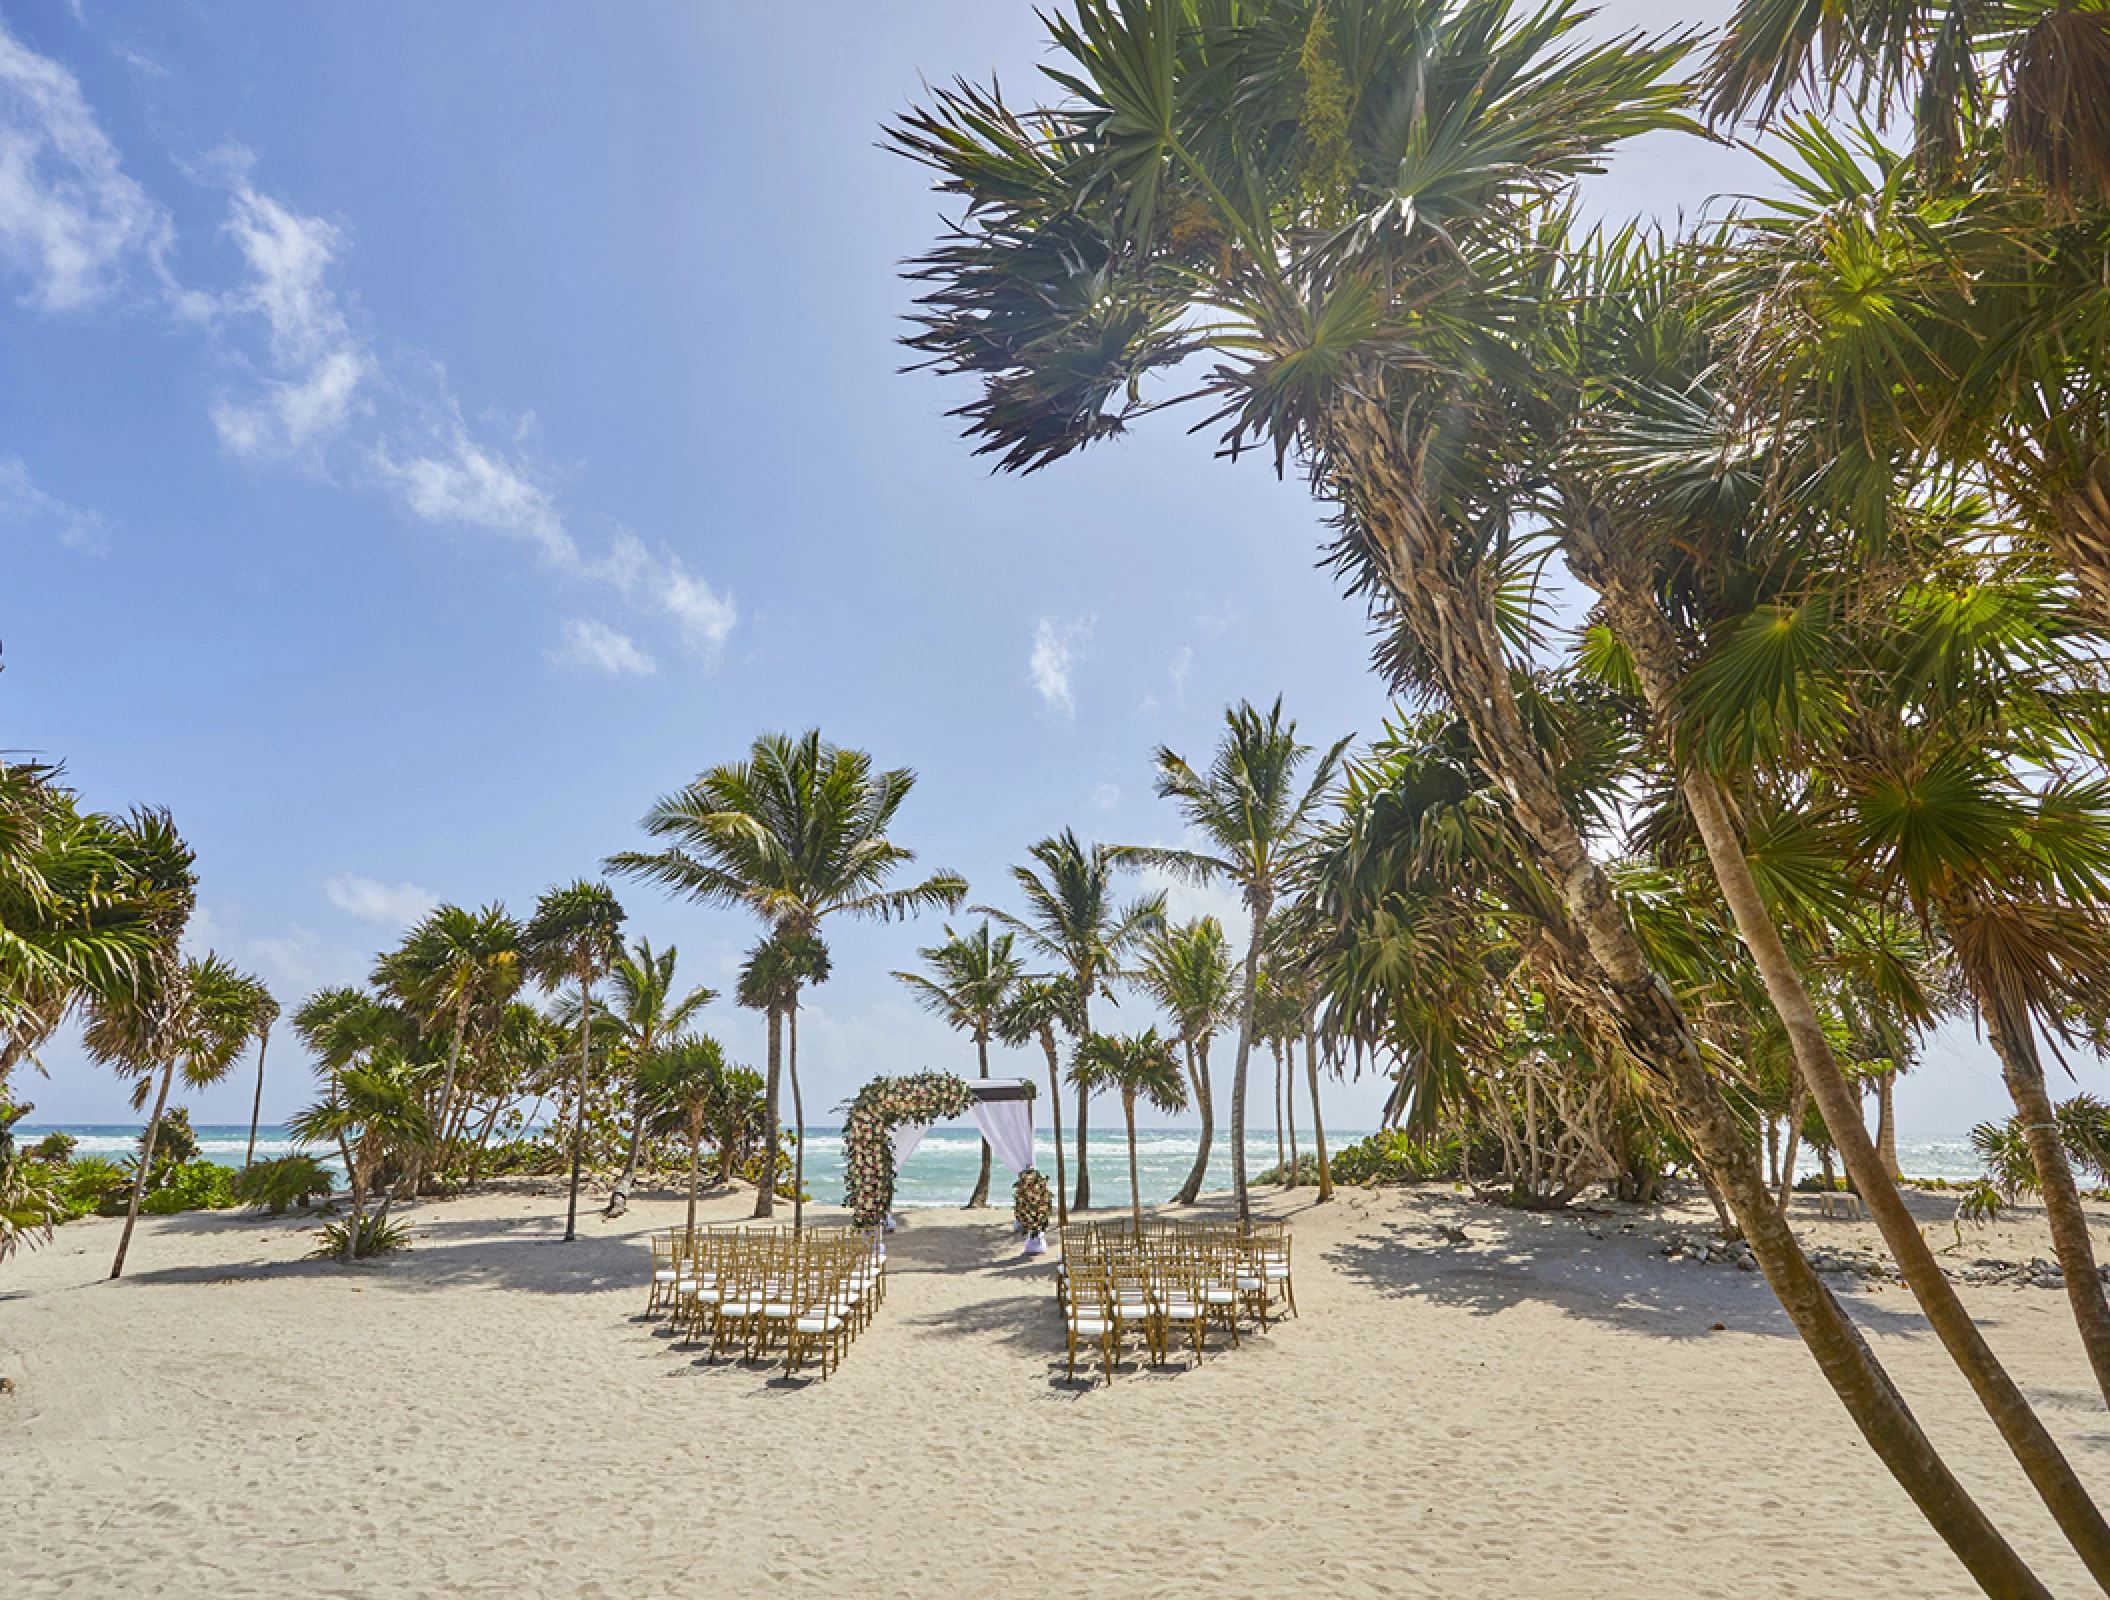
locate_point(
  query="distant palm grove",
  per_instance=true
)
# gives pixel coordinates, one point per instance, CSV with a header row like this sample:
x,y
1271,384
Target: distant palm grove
x,y
1744,593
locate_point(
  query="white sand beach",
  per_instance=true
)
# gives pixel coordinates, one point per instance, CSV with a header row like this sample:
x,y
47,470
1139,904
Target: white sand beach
x,y
1548,1409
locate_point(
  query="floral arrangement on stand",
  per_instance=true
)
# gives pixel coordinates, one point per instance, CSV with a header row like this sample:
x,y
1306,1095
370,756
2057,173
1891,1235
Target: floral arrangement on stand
x,y
881,1106
1032,1202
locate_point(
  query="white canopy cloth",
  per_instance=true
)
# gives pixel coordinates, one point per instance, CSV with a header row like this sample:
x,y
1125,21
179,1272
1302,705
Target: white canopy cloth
x,y
1008,1126
905,1138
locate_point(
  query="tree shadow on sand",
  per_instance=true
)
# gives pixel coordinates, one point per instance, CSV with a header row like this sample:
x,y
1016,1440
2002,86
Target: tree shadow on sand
x,y
1612,1280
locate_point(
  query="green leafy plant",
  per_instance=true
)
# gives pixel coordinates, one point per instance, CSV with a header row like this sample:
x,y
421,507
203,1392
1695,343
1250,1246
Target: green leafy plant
x,y
289,1181
1397,1156
360,1237
92,1183
193,1186
30,1202
54,1149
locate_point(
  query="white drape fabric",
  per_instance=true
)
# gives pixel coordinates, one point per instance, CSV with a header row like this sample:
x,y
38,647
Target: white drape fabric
x,y
906,1136
1008,1126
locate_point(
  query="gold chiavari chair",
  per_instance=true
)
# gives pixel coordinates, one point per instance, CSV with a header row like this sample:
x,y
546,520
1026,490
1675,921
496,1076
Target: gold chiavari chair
x,y
1088,1315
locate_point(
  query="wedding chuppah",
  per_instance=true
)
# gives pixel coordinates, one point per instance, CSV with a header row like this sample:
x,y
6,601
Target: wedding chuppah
x,y
890,1116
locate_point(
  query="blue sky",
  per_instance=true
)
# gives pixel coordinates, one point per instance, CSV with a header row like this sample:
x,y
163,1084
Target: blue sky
x,y
427,434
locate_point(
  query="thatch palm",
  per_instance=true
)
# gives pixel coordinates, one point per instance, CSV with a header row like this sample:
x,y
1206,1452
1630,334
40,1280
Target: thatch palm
x,y
796,834
454,968
575,936
1072,920
643,1011
195,1015
1141,1065
1186,970
265,1013
1036,1009
680,1082
373,1113
1343,217
1253,815
970,980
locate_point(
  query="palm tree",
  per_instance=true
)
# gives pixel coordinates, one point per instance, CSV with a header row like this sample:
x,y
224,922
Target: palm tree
x,y
776,970
372,1112
264,1013
455,967
574,936
1036,1008
1253,817
679,1083
1141,1064
796,834
1186,970
1350,233
974,976
1071,919
645,1011
194,1014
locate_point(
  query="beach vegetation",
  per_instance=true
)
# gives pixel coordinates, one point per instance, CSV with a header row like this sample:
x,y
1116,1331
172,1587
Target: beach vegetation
x,y
375,1117
190,1186
1185,969
1139,1066
688,1089
1037,1008
292,1180
575,936
357,1238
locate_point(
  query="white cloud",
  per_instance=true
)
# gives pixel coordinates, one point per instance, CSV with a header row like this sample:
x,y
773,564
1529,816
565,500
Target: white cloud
x,y
1106,797
1182,665
320,364
707,618
1056,647
391,905
596,647
70,219
457,480
21,501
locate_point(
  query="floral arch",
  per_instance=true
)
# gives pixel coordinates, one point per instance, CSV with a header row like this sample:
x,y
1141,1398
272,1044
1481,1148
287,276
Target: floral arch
x,y
889,1116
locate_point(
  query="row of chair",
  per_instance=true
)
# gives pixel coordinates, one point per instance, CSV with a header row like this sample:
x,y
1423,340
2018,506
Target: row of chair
x,y
1168,1280
816,1290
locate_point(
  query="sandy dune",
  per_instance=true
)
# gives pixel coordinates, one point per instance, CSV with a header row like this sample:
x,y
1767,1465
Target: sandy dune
x,y
1544,1410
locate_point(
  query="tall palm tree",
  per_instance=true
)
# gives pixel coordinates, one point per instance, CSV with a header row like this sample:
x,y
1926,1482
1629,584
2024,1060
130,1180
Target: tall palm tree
x,y
372,1112
1346,223
644,1011
195,1015
1036,1008
776,971
1186,970
1071,919
575,936
264,1013
796,834
972,976
1253,816
680,1081
453,968
1140,1065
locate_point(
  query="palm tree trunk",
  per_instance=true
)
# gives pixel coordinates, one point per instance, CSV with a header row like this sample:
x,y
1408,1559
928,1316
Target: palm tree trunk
x,y
454,1056
1047,1043
2024,1073
798,1120
483,1140
695,1171
1290,1105
1592,954
1242,1062
578,1114
1318,1127
256,1108
980,1197
1135,1182
146,1167
1198,1065
1634,618
355,1180
1887,1123
1274,1047
1083,1199
766,1192
619,1199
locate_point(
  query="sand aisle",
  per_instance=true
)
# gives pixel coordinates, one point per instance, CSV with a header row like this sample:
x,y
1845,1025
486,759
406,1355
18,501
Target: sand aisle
x,y
1543,1411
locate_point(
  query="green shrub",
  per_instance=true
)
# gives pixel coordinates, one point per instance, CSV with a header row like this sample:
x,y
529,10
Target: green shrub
x,y
54,1149
377,1236
193,1186
1395,1157
288,1181
175,1144
89,1184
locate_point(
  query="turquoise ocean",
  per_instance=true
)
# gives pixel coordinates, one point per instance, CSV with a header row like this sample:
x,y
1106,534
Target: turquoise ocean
x,y
942,1170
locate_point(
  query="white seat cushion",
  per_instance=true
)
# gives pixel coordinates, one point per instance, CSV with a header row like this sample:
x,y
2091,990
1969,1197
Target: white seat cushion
x,y
1091,1327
